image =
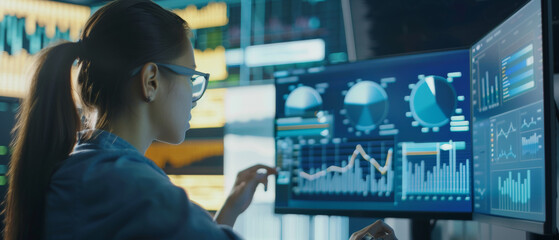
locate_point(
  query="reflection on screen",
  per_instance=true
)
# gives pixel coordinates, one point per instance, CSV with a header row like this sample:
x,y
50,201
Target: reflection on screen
x,y
389,134
508,127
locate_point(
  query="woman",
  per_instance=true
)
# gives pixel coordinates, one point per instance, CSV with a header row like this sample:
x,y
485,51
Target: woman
x,y
137,84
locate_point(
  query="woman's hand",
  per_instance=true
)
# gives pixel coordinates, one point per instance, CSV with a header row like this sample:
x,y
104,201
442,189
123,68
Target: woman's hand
x,y
243,192
377,230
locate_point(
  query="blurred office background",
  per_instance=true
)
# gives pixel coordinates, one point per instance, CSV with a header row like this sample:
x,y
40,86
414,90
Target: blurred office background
x,y
244,44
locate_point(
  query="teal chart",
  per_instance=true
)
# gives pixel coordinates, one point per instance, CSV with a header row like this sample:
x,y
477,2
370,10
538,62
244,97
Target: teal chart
x,y
431,170
434,103
516,144
366,104
303,101
351,170
517,136
516,191
518,72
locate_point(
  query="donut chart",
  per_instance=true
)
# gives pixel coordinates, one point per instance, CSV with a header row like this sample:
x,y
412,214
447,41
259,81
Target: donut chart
x,y
303,101
366,105
433,101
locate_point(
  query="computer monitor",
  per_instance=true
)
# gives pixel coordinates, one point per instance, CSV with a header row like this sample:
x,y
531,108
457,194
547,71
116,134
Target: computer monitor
x,y
375,28
8,109
383,137
514,122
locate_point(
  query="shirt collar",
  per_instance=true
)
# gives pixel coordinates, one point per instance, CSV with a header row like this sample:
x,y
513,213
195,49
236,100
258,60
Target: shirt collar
x,y
103,139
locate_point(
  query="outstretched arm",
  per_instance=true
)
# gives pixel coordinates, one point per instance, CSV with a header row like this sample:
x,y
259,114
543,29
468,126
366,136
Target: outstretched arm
x,y
243,192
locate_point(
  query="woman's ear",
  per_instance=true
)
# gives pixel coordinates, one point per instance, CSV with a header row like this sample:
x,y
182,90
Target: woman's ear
x,y
149,81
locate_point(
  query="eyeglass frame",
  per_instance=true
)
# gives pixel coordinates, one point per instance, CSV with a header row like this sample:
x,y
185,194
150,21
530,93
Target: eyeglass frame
x,y
181,70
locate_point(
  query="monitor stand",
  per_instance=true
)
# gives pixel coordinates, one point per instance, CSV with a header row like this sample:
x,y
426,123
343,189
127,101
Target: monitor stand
x,y
421,228
533,236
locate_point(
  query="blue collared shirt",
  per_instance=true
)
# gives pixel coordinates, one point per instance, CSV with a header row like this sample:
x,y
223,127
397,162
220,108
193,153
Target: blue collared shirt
x,y
106,189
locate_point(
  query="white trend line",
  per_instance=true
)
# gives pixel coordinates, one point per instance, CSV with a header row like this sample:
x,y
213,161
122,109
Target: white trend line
x,y
527,125
506,134
358,150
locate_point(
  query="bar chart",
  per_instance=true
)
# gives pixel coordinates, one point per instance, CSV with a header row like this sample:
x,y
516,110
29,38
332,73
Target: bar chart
x,y
435,168
487,89
531,146
516,190
515,194
518,72
490,91
362,169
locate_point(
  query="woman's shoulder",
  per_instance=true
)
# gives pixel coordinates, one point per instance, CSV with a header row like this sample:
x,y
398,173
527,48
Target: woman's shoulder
x,y
101,152
118,193
107,163
123,175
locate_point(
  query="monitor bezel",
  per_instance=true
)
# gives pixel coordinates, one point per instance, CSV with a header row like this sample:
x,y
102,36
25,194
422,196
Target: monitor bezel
x,y
550,141
420,215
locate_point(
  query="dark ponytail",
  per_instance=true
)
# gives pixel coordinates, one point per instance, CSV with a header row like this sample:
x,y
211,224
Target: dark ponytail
x,y
45,134
118,37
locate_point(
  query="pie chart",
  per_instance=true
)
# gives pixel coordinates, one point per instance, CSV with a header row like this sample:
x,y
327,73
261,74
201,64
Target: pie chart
x,y
366,105
433,101
303,101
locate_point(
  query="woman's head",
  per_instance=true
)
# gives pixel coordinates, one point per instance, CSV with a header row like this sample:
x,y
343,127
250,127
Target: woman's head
x,y
118,39
121,37
169,96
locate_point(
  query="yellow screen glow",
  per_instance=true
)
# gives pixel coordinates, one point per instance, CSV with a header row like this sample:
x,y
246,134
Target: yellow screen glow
x,y
208,191
210,110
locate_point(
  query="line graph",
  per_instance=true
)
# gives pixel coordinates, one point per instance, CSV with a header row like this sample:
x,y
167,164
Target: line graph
x,y
507,155
531,119
506,134
507,145
358,151
518,135
361,170
526,124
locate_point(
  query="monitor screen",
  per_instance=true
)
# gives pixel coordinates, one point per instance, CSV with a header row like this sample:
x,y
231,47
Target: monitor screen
x,y
379,27
385,136
508,118
8,110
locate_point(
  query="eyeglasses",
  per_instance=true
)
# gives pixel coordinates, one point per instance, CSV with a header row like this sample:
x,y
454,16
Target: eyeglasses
x,y
199,79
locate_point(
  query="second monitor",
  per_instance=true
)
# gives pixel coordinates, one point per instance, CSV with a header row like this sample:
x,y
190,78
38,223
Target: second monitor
x,y
389,137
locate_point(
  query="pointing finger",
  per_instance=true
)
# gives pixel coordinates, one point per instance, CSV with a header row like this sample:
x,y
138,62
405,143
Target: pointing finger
x,y
269,170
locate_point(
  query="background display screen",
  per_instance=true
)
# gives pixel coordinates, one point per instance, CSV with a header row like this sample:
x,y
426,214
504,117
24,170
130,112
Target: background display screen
x,y
508,125
389,134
